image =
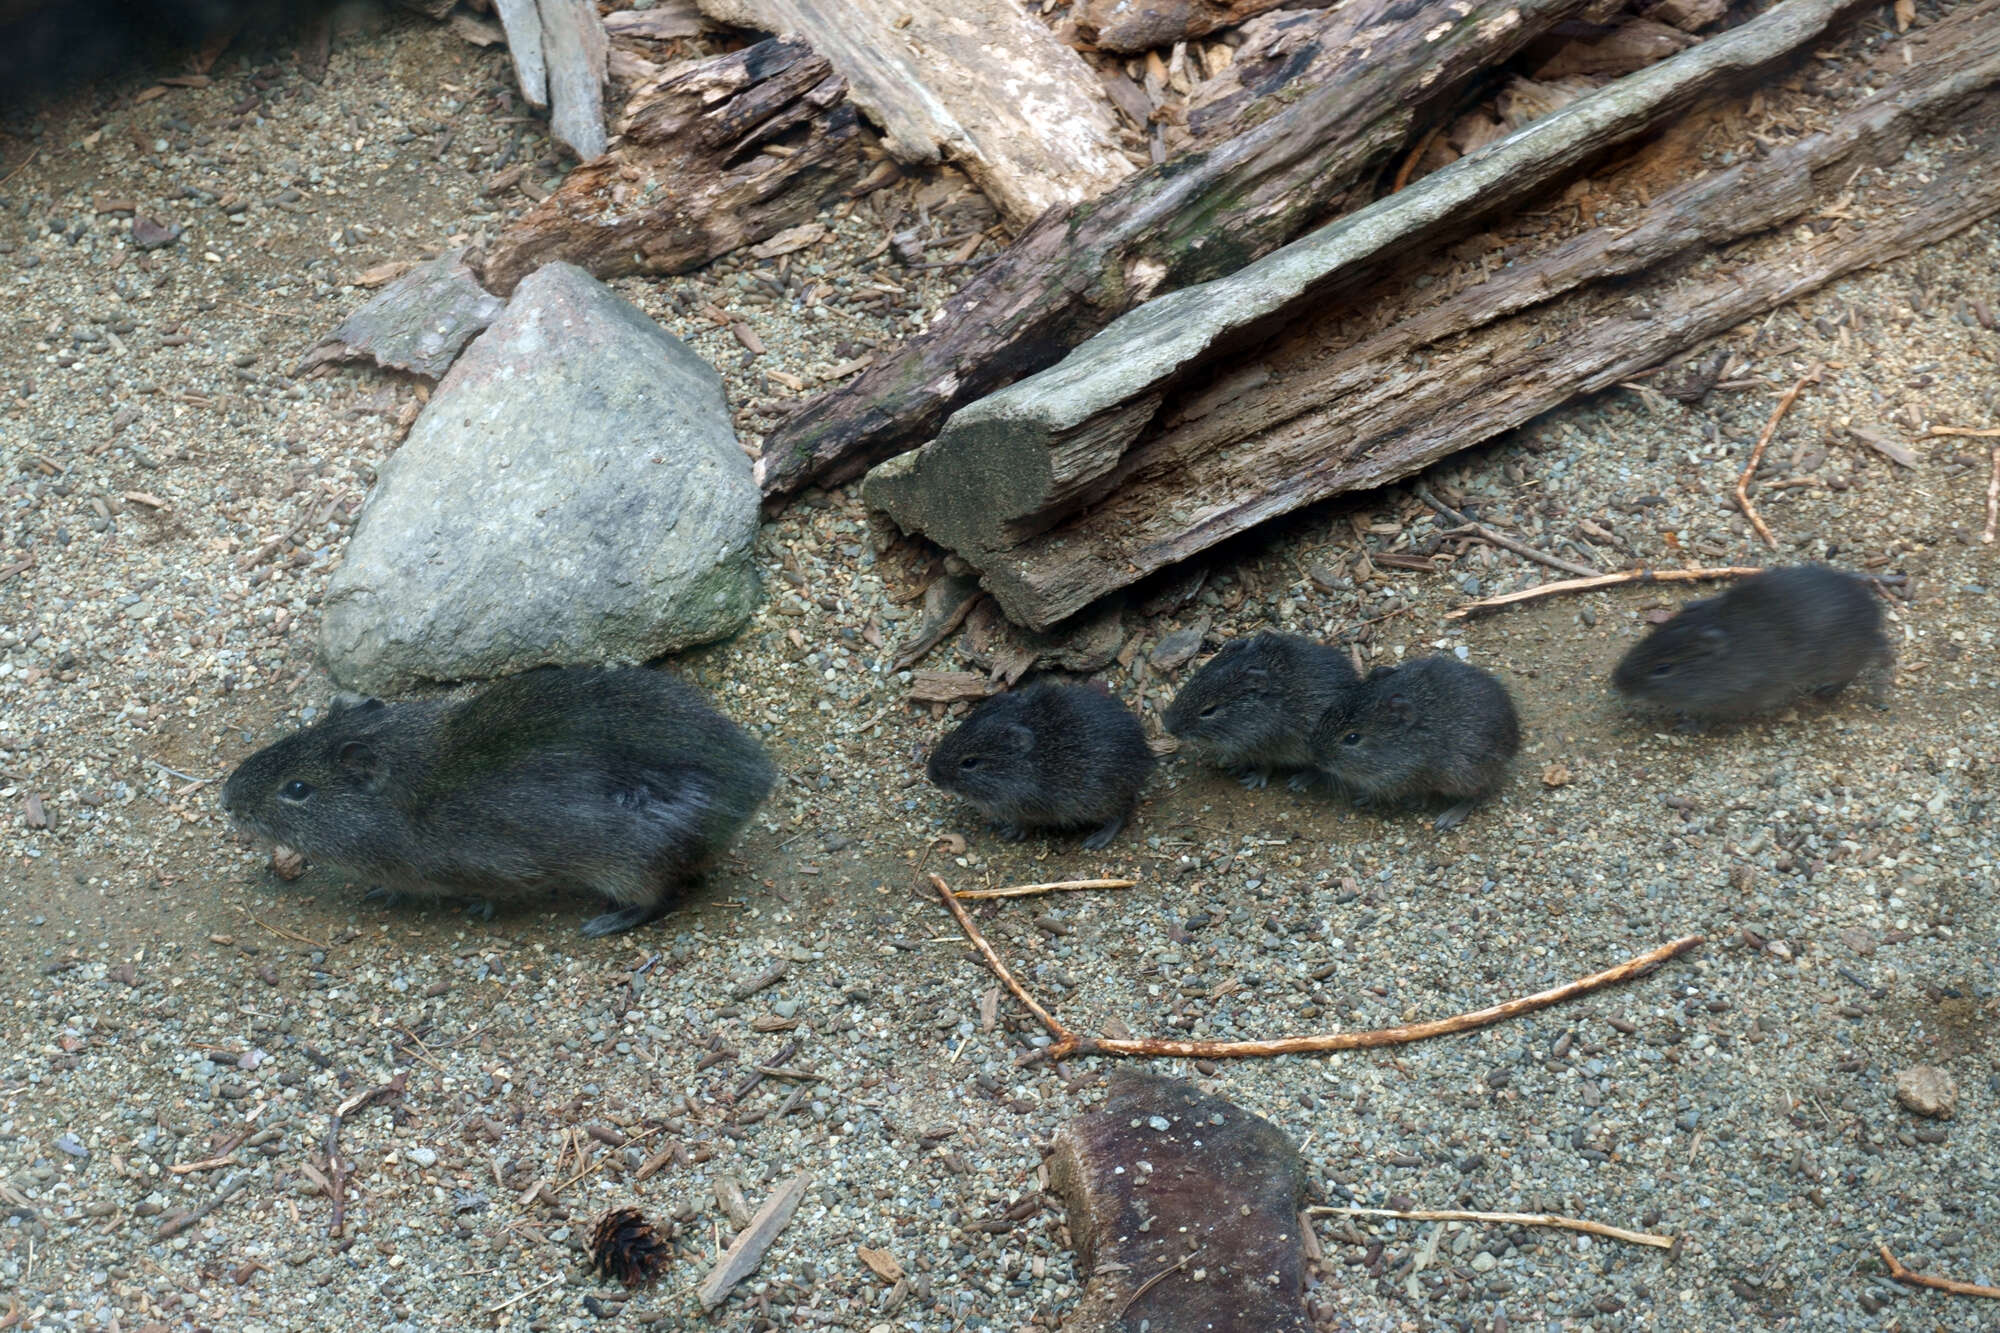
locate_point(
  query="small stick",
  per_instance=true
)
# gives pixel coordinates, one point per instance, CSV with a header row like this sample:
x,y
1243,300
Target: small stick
x,y
1403,174
1992,500
1068,1043
1154,1281
1977,432
1501,539
1952,1285
1757,455
288,934
1062,1034
1505,1219
1602,581
32,154
520,1296
337,1176
1027,890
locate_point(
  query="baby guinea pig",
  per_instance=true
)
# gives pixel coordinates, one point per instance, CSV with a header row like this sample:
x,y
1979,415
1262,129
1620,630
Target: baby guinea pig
x,y
1761,644
1252,705
1432,727
618,783
1049,756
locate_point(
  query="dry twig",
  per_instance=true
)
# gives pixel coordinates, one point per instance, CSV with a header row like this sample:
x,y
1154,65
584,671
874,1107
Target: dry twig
x,y
1029,890
1068,1043
1952,1285
1155,1280
1992,500
1602,581
1757,454
1505,1219
1976,432
1501,539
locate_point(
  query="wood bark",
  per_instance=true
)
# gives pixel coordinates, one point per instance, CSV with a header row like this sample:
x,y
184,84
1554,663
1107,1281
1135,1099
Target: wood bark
x,y
1018,462
574,44
1185,221
689,178
979,83
1140,25
1393,377
522,22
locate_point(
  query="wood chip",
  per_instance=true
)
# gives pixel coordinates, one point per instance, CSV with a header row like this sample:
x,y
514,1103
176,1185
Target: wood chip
x,y
881,1263
791,239
747,1250
1885,445
944,687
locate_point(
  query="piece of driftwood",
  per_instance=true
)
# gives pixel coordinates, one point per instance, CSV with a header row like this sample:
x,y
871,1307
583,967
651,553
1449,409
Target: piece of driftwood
x,y
979,83
1185,221
673,18
1140,25
1163,1177
574,44
522,21
690,178
740,1260
418,323
1120,461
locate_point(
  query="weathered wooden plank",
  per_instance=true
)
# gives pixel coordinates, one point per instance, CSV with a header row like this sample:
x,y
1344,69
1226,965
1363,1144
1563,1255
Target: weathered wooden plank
x,y
574,44
522,21
979,83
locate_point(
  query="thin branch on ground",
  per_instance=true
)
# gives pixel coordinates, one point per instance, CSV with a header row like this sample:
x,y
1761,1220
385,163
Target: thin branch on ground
x,y
1503,1219
1976,432
1030,890
1501,539
1154,1281
1602,581
1757,454
1062,1034
1950,1284
336,1172
1992,500
1068,1043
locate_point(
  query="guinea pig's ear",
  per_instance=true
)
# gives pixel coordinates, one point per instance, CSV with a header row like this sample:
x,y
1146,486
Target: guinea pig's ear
x,y
1398,706
349,702
359,761
1713,638
1020,739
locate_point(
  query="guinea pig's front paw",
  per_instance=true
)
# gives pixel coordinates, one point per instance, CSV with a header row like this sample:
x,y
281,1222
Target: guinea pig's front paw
x,y
1101,839
1453,817
1009,832
1305,780
386,897
1254,779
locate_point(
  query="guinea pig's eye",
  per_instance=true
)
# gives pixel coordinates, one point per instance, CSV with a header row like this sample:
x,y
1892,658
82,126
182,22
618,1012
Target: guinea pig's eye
x,y
1351,738
295,790
1663,669
970,761
1211,710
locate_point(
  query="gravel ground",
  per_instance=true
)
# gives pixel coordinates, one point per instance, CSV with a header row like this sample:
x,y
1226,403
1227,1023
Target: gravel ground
x,y
181,1025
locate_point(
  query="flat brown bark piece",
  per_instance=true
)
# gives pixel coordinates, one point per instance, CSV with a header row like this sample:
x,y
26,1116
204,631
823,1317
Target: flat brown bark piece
x,y
1404,374
574,44
1058,460
740,1260
419,323
1140,25
1186,221
672,18
1184,1211
687,181
980,83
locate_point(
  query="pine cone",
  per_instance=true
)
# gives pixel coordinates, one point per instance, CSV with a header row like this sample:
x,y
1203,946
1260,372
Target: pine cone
x,y
625,1246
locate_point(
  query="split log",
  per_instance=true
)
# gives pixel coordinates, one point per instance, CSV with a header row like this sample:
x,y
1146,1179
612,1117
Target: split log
x,y
522,20
574,44
980,83
1185,221
689,179
1140,25
1395,375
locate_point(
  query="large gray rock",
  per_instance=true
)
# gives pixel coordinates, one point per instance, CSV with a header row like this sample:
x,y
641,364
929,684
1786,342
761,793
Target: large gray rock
x,y
574,493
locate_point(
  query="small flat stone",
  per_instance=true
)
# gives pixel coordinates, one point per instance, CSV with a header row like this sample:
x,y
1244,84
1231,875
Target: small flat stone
x,y
1927,1090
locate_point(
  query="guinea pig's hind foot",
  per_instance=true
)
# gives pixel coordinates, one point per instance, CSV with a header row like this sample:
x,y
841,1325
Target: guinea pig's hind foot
x,y
1453,817
1254,779
479,907
386,897
612,923
1105,833
1009,832
1303,781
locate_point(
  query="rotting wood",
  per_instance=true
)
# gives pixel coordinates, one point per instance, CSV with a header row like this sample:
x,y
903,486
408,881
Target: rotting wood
x,y
689,179
1189,220
980,83
1140,25
1388,380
